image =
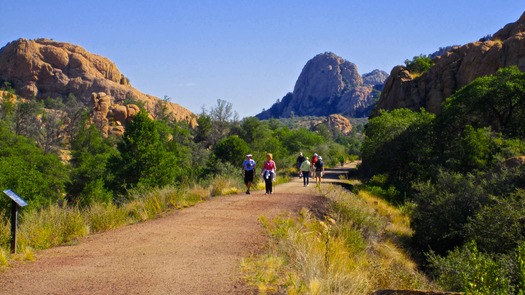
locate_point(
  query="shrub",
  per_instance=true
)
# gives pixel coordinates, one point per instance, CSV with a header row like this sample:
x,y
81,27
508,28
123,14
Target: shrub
x,y
468,270
499,227
419,64
444,208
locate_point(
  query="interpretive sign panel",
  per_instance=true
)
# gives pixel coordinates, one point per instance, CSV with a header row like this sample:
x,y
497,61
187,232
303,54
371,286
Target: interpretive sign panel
x,y
21,202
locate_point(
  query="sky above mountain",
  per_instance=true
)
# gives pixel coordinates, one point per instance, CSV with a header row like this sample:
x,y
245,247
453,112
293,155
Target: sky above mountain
x,y
249,53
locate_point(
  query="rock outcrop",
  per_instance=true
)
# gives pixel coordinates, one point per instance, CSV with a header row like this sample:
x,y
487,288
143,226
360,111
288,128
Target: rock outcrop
x,y
329,84
44,68
454,69
340,123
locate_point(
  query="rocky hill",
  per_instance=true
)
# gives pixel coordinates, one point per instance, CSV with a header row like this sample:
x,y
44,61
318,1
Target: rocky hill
x,y
327,85
43,68
455,69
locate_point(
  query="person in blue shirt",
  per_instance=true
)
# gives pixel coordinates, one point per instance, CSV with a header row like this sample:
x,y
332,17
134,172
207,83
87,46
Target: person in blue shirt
x,y
248,168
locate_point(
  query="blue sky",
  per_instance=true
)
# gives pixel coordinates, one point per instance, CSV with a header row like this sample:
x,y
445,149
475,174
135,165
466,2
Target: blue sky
x,y
249,53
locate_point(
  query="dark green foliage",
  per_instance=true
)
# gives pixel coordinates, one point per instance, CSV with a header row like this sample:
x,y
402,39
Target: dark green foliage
x,y
144,160
399,145
499,227
252,129
443,209
301,139
37,177
203,130
232,150
90,154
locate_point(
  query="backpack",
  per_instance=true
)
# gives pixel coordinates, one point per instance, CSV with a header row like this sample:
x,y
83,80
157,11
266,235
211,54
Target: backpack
x,y
319,165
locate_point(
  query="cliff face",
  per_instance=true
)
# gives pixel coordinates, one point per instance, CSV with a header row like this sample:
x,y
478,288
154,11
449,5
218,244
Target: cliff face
x,y
44,68
327,85
455,69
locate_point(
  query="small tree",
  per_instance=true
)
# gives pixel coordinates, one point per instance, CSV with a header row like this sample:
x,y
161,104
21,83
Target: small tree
x,y
144,160
232,150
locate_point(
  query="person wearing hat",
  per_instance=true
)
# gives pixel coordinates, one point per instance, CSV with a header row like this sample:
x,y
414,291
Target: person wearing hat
x,y
248,168
319,169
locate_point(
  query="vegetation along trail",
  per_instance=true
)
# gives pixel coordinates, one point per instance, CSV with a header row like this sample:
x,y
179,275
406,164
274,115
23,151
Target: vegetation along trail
x,y
191,251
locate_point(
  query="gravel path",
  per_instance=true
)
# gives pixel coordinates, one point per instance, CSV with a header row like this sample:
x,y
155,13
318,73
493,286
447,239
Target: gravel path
x,y
196,250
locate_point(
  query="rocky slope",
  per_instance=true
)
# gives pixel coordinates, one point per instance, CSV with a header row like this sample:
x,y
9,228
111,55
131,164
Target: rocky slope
x,y
329,84
455,69
44,68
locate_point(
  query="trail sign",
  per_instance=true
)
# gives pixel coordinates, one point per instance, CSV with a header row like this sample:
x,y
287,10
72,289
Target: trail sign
x,y
16,202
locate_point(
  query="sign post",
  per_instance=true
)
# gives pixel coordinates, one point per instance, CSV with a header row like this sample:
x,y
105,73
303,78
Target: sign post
x,y
16,202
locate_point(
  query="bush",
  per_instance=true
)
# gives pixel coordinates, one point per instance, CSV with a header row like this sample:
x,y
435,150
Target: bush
x,y
444,208
499,227
419,64
467,270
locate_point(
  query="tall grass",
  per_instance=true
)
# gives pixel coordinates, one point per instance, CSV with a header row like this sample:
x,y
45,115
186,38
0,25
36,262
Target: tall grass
x,y
56,225
349,252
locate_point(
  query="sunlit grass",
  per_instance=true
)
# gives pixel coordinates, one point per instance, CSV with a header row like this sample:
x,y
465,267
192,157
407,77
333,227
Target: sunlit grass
x,y
103,217
4,258
398,221
348,252
50,227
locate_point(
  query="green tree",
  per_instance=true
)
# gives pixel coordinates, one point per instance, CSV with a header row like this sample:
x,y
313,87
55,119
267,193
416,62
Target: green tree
x,y
496,100
203,130
251,129
144,161
37,177
398,144
231,149
90,153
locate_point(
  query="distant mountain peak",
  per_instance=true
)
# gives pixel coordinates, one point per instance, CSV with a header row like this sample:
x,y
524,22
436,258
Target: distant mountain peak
x,y
329,84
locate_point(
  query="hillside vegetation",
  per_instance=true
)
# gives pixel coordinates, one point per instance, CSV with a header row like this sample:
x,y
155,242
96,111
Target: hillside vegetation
x,y
462,170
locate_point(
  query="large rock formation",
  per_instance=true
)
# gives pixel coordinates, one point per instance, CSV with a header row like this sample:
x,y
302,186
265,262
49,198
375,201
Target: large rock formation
x,y
455,69
44,68
327,85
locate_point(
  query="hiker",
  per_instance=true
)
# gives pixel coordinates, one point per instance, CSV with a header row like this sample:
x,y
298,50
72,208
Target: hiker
x,y
248,168
300,160
268,173
305,170
319,169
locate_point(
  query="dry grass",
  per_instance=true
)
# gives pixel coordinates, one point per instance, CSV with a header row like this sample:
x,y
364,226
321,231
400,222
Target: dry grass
x,y
350,252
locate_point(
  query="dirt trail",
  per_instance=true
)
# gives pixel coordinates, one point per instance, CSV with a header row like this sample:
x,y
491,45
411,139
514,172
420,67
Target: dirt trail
x,y
191,251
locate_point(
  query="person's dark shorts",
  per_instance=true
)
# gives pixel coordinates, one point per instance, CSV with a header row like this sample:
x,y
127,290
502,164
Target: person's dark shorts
x,y
248,176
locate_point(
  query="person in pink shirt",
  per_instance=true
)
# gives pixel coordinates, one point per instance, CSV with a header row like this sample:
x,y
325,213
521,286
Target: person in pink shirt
x,y
268,173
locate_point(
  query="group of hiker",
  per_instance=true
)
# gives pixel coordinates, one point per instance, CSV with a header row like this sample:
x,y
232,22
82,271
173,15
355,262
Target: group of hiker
x,y
306,169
